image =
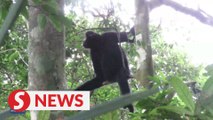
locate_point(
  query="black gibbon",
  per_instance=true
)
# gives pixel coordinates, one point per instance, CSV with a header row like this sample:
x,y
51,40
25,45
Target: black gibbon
x,y
109,61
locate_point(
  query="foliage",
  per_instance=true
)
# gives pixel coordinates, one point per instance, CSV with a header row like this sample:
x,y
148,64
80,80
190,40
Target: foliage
x,y
78,66
4,8
114,104
167,105
153,107
14,11
13,62
51,13
204,109
172,69
171,61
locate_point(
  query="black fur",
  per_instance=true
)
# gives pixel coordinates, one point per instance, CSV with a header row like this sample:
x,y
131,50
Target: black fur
x,y
109,61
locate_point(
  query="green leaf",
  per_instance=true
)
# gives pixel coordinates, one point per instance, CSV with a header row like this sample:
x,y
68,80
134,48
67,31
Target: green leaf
x,y
183,92
13,56
55,22
37,1
43,115
67,22
51,7
24,11
175,109
209,68
155,79
54,12
205,99
56,16
207,88
42,21
112,105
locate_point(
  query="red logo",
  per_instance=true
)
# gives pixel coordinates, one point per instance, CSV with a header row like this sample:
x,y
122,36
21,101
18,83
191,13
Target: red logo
x,y
19,100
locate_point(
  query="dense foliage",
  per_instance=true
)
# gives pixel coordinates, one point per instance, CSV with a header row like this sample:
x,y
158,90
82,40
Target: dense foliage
x,y
172,70
13,62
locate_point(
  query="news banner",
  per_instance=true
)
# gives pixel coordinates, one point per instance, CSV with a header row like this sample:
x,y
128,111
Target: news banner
x,y
21,100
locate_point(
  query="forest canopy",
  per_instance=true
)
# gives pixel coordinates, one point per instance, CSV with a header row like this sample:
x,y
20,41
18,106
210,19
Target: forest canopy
x,y
42,49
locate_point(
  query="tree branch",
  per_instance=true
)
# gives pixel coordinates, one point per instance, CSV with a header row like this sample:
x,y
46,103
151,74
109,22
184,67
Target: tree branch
x,y
198,14
14,11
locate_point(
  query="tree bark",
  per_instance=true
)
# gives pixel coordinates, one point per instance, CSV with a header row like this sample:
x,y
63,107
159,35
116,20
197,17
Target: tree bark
x,y
145,65
46,53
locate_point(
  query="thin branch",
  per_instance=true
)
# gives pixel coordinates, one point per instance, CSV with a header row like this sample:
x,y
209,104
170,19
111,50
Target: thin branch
x,y
198,14
8,77
4,51
22,58
14,11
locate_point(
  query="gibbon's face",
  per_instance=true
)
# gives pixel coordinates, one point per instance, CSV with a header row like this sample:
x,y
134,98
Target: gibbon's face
x,y
92,40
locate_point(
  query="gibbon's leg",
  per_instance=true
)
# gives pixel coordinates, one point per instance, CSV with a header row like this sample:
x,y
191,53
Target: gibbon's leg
x,y
125,89
91,84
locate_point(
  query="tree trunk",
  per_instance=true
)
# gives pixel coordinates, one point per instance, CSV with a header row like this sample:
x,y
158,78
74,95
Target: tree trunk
x,y
46,55
145,65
